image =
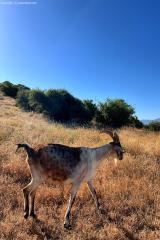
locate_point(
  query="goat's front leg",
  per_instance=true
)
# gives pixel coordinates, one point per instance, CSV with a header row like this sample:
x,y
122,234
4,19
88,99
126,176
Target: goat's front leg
x,y
94,194
74,190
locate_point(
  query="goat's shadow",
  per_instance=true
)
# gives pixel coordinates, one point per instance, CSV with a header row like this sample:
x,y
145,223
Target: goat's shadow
x,y
40,228
105,218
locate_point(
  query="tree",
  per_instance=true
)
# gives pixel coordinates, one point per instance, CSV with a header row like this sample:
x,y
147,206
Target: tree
x,y
58,105
22,87
115,113
64,107
91,108
38,101
135,122
154,126
9,89
22,100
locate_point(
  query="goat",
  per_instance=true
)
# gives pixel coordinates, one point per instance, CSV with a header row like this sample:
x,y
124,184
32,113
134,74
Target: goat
x,y
66,164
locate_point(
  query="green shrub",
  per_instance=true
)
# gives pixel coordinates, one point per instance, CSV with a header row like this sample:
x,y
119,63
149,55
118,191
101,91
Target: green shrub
x,y
135,122
22,100
60,105
91,109
115,113
64,107
22,87
9,89
38,101
153,126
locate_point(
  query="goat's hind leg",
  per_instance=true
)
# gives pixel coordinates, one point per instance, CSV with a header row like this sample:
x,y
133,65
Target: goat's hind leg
x,y
26,202
29,190
94,194
32,211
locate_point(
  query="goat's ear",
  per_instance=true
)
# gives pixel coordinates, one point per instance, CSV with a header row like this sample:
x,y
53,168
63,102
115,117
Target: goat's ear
x,y
124,151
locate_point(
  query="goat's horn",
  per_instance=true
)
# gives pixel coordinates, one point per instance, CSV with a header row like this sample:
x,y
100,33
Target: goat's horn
x,y
116,137
110,132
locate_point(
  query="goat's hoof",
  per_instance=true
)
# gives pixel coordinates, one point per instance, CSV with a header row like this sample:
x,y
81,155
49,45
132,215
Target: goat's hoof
x,y
67,226
26,215
33,215
102,211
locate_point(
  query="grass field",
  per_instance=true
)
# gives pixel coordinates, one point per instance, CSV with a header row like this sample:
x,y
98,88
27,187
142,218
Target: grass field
x,y
129,191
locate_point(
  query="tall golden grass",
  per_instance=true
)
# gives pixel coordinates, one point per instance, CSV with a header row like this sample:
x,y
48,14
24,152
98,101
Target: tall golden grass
x,y
129,192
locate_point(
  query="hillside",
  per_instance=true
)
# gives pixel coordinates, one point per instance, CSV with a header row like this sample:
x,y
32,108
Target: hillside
x,y
129,191
146,122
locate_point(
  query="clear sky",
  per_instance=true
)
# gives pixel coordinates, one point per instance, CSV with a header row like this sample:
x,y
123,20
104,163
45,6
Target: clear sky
x,y
93,48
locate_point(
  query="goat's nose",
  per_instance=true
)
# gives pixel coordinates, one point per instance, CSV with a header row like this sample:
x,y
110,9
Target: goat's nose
x,y
120,156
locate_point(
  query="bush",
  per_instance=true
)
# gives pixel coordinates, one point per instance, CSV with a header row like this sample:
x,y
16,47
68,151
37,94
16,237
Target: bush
x,y
22,87
64,107
115,113
9,89
154,126
56,104
78,113
91,109
22,100
38,101
135,122
60,105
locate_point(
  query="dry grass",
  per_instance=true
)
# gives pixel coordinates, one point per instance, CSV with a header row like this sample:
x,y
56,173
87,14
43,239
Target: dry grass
x,y
129,192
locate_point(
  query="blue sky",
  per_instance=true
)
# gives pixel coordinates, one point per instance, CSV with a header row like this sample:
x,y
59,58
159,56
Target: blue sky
x,y
93,48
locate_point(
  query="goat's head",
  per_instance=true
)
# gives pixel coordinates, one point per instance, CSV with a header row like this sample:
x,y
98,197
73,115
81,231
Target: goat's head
x,y
116,144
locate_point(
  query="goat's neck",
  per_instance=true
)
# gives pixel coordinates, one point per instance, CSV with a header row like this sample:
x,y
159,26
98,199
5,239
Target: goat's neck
x,y
101,152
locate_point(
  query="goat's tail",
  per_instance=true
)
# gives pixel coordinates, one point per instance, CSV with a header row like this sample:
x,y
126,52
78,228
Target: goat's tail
x,y
29,150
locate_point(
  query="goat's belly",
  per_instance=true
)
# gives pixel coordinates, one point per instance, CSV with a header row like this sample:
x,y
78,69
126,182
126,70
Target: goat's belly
x,y
90,173
68,181
58,180
57,175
